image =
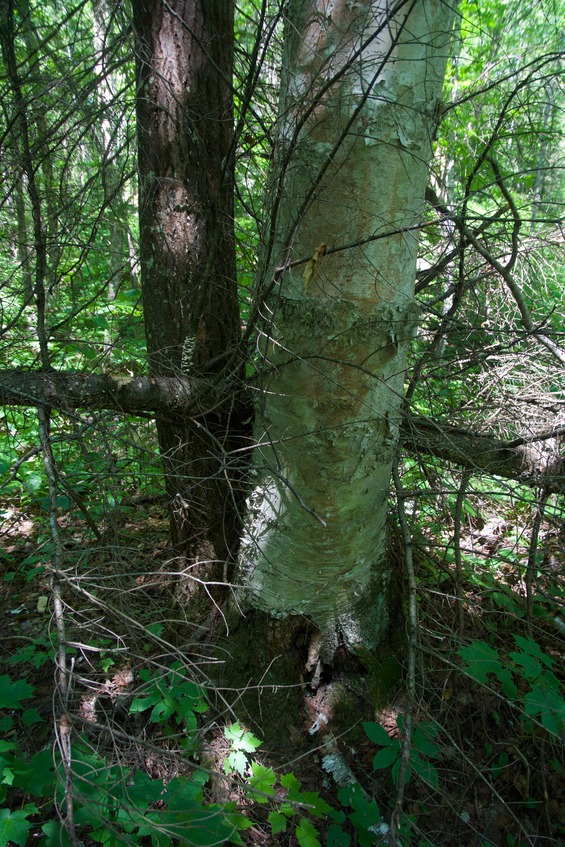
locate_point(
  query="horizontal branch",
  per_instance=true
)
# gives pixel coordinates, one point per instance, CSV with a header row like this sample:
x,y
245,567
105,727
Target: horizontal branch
x,y
527,462
65,390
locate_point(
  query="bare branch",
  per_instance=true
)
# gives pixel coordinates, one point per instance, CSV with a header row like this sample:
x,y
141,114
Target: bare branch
x,y
485,454
65,390
521,459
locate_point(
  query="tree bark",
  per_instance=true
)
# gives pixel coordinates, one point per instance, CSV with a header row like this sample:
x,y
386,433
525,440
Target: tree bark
x,y
360,97
172,396
184,125
535,462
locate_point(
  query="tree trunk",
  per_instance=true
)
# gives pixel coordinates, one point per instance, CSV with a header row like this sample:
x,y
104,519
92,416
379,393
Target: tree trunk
x,y
359,105
184,121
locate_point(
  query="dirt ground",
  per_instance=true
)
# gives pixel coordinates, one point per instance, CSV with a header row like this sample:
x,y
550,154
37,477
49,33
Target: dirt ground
x,y
500,781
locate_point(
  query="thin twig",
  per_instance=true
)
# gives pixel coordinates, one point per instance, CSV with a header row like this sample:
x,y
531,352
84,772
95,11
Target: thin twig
x,y
412,649
532,556
466,476
62,719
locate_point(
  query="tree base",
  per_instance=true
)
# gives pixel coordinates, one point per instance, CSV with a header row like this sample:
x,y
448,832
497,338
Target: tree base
x,y
294,686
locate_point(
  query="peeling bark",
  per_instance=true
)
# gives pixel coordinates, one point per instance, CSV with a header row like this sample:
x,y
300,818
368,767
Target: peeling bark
x,y
361,87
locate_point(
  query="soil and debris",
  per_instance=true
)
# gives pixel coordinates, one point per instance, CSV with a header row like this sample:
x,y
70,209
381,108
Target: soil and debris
x,y
501,780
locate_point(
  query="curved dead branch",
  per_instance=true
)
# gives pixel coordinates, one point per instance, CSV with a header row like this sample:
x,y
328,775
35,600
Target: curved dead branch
x,y
530,461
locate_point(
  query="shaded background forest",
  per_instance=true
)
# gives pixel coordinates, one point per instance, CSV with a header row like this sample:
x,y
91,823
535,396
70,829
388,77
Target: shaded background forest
x,y
163,748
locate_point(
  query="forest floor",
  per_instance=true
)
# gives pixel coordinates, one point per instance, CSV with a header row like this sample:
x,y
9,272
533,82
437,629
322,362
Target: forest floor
x,y
487,770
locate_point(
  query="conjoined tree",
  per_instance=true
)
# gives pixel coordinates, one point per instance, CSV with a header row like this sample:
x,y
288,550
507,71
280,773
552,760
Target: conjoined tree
x,y
292,511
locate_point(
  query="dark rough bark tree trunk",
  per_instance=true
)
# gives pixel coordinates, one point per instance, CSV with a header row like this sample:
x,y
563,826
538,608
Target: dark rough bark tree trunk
x,y
185,143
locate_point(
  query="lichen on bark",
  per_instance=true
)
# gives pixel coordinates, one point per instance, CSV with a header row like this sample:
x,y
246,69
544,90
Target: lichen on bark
x,y
357,114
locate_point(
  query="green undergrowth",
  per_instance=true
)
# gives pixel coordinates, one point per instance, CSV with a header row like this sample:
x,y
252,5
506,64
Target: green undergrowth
x,y
60,794
114,804
490,719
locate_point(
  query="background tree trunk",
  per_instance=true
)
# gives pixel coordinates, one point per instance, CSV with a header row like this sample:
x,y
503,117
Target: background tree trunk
x,y
359,107
184,118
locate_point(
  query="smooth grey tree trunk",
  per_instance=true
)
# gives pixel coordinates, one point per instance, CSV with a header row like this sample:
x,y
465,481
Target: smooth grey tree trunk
x,y
359,107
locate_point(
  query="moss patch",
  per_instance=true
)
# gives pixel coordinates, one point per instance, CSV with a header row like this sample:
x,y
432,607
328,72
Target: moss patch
x,y
265,667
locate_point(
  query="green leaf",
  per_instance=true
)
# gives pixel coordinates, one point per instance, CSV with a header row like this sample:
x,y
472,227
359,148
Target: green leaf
x,y
130,294
366,813
141,791
100,322
36,776
182,793
6,724
348,794
532,648
277,822
163,710
249,743
377,734
366,817
307,834
14,826
151,829
386,757
236,761
336,837
34,653
262,780
289,781
233,732
238,821
8,776
12,693
241,739
481,659
422,742
32,480
425,770
103,835
206,827
546,701
56,835
31,717
141,704
319,807
531,659
530,667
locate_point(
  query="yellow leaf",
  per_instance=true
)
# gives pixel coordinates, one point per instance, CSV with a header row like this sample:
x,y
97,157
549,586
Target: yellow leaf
x,y
313,265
